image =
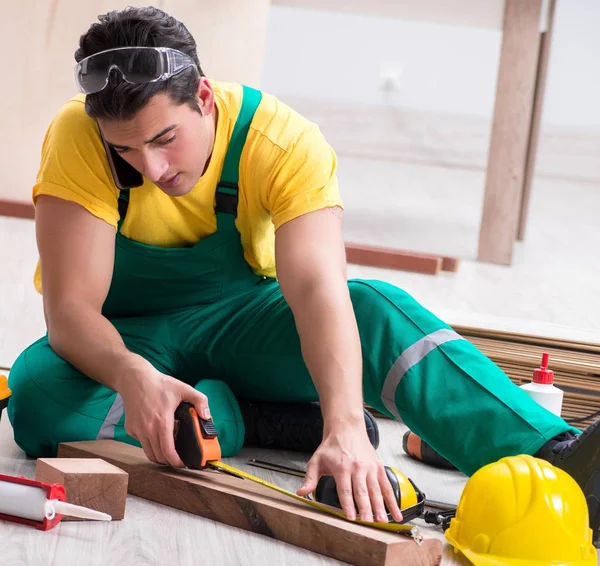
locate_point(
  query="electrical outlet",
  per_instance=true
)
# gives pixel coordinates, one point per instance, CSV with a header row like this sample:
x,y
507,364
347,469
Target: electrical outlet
x,y
391,77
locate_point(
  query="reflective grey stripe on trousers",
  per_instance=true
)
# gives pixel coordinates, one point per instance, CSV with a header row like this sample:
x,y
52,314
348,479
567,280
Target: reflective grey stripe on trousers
x,y
410,357
107,430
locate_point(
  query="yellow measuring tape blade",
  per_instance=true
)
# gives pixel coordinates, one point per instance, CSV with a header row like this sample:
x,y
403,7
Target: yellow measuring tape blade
x,y
392,527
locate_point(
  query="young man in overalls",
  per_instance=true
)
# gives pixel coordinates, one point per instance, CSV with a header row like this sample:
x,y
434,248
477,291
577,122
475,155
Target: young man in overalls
x,y
221,280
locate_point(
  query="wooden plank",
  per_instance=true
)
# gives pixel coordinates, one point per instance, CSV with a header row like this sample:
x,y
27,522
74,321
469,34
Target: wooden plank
x,y
390,258
16,209
450,264
538,104
510,130
255,508
522,338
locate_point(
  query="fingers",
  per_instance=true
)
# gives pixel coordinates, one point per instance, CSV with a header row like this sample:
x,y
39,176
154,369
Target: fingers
x,y
311,478
388,495
143,440
200,402
148,450
158,443
343,481
371,492
362,496
376,498
167,443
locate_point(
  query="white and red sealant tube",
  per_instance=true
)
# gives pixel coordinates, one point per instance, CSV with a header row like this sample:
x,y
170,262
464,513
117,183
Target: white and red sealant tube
x,y
38,504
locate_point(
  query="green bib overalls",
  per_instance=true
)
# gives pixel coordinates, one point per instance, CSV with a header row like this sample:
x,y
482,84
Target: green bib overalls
x,y
201,315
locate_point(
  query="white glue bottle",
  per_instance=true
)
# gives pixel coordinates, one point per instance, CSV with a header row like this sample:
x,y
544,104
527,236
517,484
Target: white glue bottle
x,y
542,389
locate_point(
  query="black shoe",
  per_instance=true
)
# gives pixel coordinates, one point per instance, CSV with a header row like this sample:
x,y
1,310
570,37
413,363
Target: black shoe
x,y
418,449
579,456
291,426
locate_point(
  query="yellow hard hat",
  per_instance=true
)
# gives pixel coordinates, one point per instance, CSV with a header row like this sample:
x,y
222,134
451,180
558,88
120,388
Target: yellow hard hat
x,y
522,511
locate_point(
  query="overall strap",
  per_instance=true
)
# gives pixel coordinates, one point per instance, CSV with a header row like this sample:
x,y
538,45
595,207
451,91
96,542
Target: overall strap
x,y
123,205
227,189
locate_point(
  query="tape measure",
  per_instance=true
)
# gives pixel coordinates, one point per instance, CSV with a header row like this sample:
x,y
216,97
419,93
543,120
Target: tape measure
x,y
198,447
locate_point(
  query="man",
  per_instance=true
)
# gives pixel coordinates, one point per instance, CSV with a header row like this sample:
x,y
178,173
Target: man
x,y
190,238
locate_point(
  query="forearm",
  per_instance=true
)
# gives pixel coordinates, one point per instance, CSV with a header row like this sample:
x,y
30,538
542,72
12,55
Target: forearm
x,y
332,351
89,341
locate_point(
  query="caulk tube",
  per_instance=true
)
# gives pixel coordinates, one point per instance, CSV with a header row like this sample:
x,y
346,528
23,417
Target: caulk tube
x,y
57,507
37,504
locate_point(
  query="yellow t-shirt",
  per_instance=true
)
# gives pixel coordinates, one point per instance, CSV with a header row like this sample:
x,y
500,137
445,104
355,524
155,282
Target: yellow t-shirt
x,y
287,169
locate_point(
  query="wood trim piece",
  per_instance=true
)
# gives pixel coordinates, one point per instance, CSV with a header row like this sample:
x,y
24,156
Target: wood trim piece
x,y
16,209
450,264
510,130
358,254
255,508
390,258
534,134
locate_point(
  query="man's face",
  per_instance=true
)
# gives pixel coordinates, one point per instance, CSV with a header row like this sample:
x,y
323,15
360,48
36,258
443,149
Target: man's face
x,y
169,144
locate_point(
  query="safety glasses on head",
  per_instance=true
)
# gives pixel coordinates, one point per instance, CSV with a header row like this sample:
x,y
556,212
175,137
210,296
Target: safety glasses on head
x,y
136,65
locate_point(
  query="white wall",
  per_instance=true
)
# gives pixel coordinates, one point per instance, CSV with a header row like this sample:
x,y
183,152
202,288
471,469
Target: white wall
x,y
39,75
342,57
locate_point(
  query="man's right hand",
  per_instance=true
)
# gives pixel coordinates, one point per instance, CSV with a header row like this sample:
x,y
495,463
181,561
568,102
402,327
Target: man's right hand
x,y
150,399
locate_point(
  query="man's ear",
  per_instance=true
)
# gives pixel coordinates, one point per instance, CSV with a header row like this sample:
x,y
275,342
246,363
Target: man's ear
x,y
205,97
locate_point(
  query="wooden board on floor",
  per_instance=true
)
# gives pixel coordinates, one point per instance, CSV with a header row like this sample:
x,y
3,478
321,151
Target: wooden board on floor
x,y
390,258
248,506
16,209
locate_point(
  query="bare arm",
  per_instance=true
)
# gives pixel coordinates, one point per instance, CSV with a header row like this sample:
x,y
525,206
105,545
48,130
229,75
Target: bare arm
x,y
77,257
77,254
311,267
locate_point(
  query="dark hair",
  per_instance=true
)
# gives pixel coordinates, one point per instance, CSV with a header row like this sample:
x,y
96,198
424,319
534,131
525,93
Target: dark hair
x,y
138,27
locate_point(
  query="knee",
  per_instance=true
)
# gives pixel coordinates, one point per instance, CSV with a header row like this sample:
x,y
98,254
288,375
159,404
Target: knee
x,y
371,299
389,307
25,414
362,292
41,409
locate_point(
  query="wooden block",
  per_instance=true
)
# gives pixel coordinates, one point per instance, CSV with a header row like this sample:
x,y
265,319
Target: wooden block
x,y
16,209
393,259
246,505
92,483
450,264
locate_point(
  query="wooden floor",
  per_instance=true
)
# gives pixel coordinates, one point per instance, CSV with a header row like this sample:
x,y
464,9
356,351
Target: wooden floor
x,y
153,535
552,288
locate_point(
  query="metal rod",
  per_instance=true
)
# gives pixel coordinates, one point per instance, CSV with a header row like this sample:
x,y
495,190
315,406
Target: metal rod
x,y
277,468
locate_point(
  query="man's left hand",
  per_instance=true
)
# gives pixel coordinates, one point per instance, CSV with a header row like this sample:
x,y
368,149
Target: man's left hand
x,y
348,456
